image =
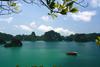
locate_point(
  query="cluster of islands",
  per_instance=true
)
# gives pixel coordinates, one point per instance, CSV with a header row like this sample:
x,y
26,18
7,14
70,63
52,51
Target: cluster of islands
x,y
47,36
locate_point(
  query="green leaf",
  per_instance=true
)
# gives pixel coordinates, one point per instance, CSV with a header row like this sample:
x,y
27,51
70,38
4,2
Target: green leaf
x,y
49,14
49,1
52,4
67,0
17,65
64,1
64,12
54,15
57,4
62,6
97,41
13,4
8,3
70,5
75,0
74,10
17,7
99,37
51,11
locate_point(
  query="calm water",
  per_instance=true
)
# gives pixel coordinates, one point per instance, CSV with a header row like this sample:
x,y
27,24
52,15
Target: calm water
x,y
49,54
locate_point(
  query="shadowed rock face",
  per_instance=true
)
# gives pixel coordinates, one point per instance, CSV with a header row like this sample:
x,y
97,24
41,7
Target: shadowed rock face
x,y
68,39
33,34
52,36
81,38
14,42
2,41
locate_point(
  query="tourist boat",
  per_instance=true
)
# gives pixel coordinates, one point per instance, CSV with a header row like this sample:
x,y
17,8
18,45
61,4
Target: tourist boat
x,y
71,53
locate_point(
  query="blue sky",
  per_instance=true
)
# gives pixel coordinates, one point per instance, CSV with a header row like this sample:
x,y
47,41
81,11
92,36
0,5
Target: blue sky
x,y
35,18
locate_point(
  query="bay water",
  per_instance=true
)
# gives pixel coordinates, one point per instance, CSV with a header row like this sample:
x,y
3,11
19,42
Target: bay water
x,y
49,54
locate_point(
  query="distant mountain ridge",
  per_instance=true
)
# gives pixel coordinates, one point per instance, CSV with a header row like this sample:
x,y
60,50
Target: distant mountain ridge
x,y
83,37
51,36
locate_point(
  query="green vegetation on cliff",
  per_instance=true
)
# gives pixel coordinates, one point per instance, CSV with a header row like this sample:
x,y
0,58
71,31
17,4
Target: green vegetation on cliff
x,y
48,36
52,36
2,41
6,37
14,42
84,37
80,38
68,39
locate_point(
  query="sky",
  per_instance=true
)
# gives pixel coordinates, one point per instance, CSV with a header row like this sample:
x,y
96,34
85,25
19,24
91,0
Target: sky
x,y
35,18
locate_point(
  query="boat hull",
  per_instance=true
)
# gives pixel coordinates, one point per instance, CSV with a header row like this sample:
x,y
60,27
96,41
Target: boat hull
x,y
71,53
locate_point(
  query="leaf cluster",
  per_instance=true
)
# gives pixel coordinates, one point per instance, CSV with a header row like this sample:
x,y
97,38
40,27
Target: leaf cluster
x,y
67,6
12,4
98,41
53,15
36,66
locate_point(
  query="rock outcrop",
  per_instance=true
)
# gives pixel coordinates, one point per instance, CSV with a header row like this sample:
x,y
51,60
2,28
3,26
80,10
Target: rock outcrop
x,y
2,41
81,38
52,36
14,42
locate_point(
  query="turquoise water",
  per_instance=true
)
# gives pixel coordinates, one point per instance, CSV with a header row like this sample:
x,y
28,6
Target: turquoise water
x,y
49,54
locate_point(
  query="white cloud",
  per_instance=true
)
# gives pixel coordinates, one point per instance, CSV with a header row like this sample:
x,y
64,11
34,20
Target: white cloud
x,y
8,20
19,4
59,14
62,31
59,30
15,26
85,16
95,3
65,18
74,24
2,27
23,27
33,24
45,28
46,18
1,31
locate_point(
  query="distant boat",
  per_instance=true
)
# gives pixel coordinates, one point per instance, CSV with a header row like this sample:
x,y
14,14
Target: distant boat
x,y
71,53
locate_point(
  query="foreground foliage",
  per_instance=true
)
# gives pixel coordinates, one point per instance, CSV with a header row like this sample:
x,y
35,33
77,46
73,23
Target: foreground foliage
x,y
55,6
62,8
98,41
36,66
